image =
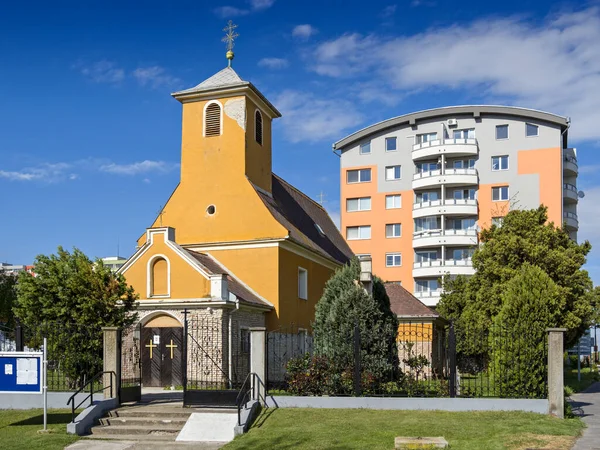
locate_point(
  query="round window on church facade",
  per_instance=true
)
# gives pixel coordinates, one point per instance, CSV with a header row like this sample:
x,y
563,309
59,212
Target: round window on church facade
x,y
211,210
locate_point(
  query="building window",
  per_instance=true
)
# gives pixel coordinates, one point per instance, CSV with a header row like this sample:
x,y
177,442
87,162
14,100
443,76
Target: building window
x,y
464,134
462,254
428,224
427,167
365,148
245,340
500,193
393,259
160,278
393,201
302,283
426,256
531,130
501,131
258,123
212,120
358,176
463,224
426,285
426,137
423,197
500,163
464,194
497,221
393,230
358,204
393,173
360,232
391,144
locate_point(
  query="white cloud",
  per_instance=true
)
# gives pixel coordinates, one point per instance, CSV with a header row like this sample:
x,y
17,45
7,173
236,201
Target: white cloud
x,y
553,65
155,76
389,11
274,63
101,71
307,117
46,172
303,32
261,4
137,168
227,12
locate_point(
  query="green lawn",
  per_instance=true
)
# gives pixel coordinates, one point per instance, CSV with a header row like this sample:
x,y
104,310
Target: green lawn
x,y
299,428
19,429
588,377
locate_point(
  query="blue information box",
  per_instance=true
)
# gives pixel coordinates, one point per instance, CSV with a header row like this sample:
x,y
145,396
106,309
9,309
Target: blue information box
x,y
21,372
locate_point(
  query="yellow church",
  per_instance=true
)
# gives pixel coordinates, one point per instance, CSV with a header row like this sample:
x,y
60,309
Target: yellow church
x,y
234,247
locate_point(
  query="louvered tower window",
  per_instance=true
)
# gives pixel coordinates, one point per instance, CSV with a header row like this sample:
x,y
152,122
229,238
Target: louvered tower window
x,y
212,120
259,127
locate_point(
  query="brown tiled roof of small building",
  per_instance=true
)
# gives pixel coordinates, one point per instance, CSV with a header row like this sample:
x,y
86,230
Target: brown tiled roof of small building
x,y
300,214
404,304
236,287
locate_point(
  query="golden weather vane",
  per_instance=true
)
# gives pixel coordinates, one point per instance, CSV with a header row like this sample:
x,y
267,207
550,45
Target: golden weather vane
x,y
230,36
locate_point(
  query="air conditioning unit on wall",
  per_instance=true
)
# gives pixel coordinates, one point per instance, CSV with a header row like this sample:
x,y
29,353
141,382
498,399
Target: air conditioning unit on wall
x,y
452,122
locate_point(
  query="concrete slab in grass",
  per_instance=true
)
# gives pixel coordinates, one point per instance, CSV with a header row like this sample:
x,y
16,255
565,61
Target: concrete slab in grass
x,y
406,443
209,427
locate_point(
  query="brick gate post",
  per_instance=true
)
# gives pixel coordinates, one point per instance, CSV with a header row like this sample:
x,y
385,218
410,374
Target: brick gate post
x,y
258,362
112,360
556,387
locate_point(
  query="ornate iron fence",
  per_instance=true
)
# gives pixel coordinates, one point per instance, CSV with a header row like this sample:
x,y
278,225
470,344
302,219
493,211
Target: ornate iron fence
x,y
428,359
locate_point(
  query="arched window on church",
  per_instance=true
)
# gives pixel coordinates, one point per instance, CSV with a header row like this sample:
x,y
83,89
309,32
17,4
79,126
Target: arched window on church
x,y
160,277
258,125
212,120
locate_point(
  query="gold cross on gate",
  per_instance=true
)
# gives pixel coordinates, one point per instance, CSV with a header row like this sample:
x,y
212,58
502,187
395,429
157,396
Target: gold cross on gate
x,y
150,346
171,346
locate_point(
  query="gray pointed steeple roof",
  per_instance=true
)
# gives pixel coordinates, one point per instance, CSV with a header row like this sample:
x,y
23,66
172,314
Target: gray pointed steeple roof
x,y
224,80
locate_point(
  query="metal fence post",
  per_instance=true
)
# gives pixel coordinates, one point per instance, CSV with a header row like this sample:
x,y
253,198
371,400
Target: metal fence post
x,y
19,341
452,361
184,355
357,368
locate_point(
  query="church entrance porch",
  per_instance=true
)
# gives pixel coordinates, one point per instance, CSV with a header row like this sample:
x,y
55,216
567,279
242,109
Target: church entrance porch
x,y
162,348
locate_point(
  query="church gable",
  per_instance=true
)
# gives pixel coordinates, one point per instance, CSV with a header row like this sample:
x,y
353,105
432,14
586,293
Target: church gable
x,y
160,269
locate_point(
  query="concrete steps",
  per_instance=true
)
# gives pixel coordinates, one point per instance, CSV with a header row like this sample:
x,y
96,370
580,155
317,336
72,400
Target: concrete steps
x,y
164,422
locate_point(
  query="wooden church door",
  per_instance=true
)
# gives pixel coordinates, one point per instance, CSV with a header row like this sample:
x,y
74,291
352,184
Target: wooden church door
x,y
161,356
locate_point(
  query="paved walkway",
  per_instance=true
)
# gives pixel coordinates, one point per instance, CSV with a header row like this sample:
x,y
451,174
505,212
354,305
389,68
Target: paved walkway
x,y
587,406
87,444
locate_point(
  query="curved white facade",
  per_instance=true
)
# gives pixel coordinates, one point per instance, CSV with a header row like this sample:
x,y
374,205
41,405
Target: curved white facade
x,y
453,177
438,268
437,238
449,206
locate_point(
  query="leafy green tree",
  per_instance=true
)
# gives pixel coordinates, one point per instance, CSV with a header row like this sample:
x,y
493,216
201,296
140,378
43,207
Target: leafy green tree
x,y
8,295
524,237
345,304
69,301
531,303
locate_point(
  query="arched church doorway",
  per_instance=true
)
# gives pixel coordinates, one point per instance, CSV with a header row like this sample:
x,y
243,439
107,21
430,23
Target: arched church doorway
x,y
161,346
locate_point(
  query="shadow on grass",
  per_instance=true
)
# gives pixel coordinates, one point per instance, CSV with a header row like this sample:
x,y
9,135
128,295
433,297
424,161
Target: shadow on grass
x,y
262,418
53,419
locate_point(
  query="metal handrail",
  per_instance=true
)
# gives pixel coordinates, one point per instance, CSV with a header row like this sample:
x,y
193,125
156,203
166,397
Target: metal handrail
x,y
239,400
90,382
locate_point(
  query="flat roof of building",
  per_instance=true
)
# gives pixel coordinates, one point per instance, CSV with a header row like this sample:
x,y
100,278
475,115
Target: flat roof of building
x,y
474,110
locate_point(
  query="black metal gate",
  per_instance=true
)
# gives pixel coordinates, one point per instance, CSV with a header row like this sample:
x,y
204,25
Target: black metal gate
x,y
131,365
216,360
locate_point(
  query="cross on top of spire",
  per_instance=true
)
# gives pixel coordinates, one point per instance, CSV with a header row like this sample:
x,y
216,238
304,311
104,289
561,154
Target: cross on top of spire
x,y
229,39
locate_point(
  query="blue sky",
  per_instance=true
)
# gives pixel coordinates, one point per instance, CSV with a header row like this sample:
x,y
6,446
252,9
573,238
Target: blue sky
x,y
90,137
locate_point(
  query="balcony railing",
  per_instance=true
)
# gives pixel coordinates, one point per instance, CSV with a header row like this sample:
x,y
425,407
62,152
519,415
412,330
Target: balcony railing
x,y
570,187
446,232
439,263
438,172
448,141
429,293
571,159
570,215
447,202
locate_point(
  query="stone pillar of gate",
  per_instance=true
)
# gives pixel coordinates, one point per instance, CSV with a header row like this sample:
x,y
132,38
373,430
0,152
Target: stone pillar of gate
x,y
258,362
556,387
111,361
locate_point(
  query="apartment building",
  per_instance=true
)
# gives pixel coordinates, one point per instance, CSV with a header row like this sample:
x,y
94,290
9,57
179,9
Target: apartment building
x,y
416,189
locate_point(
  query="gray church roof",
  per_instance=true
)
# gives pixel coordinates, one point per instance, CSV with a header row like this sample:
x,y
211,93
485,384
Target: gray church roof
x,y
225,78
